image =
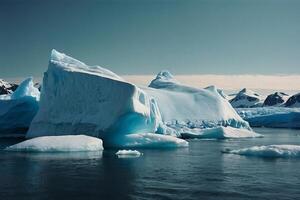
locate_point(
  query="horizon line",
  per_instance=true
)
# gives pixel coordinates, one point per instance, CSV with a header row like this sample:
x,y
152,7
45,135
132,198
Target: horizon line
x,y
225,81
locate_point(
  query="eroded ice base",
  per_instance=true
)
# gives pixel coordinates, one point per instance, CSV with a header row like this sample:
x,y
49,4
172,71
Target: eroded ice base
x,y
146,140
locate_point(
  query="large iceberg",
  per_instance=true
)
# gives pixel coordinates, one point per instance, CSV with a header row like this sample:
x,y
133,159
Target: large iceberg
x,y
66,143
147,140
18,109
81,99
269,151
185,109
275,117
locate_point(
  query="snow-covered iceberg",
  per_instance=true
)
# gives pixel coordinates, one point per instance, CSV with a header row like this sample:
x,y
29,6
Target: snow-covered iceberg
x,y
187,109
81,99
246,98
67,143
18,109
269,151
219,133
275,117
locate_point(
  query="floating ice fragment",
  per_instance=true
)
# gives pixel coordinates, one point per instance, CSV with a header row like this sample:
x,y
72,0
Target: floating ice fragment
x,y
269,151
66,143
128,153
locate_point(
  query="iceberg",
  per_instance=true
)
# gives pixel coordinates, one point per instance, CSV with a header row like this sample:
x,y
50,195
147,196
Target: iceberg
x,y
67,143
18,109
219,133
184,108
269,151
128,153
81,99
246,99
273,117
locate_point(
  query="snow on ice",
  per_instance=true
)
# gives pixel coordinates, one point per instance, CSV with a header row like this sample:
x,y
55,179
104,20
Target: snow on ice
x,y
67,143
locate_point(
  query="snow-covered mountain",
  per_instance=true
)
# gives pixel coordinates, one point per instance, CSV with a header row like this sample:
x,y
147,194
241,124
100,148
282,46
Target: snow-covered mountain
x,y
246,99
18,109
81,99
276,99
293,101
7,88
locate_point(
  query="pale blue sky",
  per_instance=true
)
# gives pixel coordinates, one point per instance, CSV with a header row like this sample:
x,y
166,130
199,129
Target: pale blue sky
x,y
143,37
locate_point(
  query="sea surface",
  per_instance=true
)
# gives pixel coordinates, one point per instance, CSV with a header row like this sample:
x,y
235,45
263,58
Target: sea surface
x,y
198,172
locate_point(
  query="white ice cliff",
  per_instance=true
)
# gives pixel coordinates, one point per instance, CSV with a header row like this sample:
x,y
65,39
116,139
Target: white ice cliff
x,y
18,109
81,99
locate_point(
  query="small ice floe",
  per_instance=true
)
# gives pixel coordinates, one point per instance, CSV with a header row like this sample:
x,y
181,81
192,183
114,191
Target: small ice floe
x,y
66,143
128,154
268,151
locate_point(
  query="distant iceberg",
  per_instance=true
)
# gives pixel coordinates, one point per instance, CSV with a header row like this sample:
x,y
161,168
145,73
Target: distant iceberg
x,y
18,109
68,143
269,151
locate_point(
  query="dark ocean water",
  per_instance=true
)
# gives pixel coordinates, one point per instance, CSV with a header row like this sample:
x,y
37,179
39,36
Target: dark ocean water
x,y
198,172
